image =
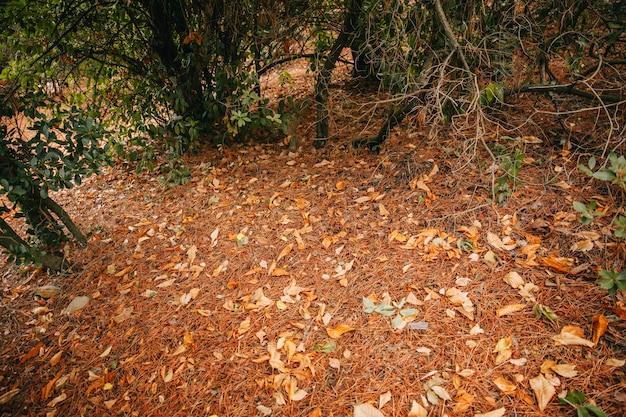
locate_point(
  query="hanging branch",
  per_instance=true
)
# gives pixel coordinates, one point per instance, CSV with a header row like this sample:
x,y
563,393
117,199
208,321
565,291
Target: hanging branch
x,y
450,34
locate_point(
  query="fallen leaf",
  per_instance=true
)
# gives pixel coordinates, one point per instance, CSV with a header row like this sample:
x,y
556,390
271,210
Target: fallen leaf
x,y
106,352
565,370
47,291
543,389
57,400
339,330
495,242
514,279
572,335
284,252
244,326
34,351
503,344
417,410
599,327
504,385
367,410
510,309
191,253
384,399
466,373
615,362
494,413
76,304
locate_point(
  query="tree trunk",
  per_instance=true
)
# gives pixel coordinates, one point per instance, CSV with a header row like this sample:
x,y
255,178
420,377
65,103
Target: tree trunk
x,y
8,239
67,221
324,77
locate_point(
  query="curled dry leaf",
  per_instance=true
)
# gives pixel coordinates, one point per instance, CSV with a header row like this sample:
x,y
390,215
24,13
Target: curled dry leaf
x,y
543,390
599,327
339,330
572,335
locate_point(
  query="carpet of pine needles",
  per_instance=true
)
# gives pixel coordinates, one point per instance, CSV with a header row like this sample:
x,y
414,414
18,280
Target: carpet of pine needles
x,y
241,292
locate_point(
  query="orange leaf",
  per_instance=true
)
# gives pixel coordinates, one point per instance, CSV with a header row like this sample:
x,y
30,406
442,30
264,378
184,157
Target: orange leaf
x,y
599,326
558,263
337,331
279,272
31,353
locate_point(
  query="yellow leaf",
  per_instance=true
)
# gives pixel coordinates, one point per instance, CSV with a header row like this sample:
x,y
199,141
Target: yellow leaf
x,y
615,362
510,309
284,252
543,391
463,401
494,413
244,326
340,185
503,344
339,330
106,352
279,272
504,385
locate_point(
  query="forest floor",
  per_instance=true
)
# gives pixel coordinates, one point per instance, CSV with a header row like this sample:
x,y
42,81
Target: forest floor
x,y
332,282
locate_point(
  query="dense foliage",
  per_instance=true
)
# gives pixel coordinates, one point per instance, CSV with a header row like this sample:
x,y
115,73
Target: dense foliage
x,y
128,79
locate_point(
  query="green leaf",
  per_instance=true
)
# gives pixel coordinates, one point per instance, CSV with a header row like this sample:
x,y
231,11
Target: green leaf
x,y
582,412
604,174
408,312
576,397
580,207
368,305
595,410
385,309
397,322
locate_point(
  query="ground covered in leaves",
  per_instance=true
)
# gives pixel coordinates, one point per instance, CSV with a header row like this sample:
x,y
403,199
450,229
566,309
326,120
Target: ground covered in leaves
x,y
329,282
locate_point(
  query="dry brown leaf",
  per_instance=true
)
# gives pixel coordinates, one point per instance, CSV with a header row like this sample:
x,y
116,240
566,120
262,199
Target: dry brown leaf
x,y
417,410
514,279
503,344
367,410
466,373
495,242
582,246
558,263
463,401
384,399
599,326
494,413
244,326
279,272
339,330
504,385
543,390
565,370
510,309
618,363
572,335
284,252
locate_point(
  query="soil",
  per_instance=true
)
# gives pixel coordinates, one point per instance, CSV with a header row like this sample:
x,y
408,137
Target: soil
x,y
242,292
